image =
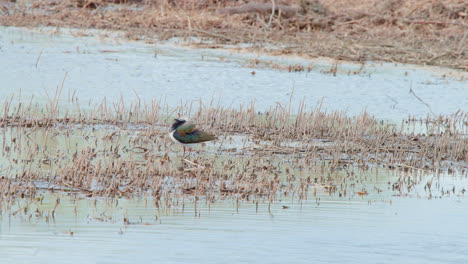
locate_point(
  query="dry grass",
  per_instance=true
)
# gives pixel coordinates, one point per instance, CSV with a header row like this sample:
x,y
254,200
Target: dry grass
x,y
420,32
122,150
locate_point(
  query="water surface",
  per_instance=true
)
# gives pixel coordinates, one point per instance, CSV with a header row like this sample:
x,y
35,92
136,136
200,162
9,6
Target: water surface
x,y
100,64
380,227
405,230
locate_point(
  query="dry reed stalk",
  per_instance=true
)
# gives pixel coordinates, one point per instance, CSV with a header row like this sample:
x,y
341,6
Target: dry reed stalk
x,y
109,152
317,30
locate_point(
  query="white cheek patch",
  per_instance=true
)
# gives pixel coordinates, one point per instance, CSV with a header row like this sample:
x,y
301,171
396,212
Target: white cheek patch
x,y
171,135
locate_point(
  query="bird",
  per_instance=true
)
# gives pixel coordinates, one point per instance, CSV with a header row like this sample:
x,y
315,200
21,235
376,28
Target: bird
x,y
186,134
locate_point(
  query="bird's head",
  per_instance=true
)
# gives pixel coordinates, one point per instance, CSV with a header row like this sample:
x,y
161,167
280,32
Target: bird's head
x,y
177,122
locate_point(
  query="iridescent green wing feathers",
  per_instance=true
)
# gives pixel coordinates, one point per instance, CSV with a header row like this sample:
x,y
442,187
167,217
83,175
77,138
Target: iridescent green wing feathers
x,y
187,134
185,129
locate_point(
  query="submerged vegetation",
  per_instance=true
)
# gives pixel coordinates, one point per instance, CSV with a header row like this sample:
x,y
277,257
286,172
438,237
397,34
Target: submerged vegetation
x,y
77,174
122,150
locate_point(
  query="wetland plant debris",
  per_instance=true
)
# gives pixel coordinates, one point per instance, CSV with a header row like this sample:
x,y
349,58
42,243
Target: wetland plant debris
x,y
122,150
421,32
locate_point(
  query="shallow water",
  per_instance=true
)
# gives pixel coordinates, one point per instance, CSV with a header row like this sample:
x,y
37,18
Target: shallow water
x,y
103,64
403,231
382,227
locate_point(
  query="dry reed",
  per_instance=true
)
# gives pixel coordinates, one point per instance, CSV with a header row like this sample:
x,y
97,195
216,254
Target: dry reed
x,y
122,150
421,32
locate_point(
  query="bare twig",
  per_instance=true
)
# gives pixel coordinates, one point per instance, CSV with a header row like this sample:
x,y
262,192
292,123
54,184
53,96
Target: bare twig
x,y
417,97
273,6
193,163
216,35
38,57
286,10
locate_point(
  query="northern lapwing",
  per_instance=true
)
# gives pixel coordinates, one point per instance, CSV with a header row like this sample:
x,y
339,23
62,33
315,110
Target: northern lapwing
x,y
187,135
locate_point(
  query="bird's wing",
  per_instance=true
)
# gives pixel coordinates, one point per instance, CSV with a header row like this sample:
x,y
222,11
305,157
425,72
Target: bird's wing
x,y
203,136
196,136
186,128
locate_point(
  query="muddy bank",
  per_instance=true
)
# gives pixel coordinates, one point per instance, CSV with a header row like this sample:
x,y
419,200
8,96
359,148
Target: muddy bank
x,y
418,32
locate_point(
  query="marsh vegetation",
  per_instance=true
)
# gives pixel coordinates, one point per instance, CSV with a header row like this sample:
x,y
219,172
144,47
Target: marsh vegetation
x,y
419,32
310,154
122,150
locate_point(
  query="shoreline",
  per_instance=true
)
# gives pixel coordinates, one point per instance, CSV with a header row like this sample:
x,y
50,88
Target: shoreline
x,y
354,40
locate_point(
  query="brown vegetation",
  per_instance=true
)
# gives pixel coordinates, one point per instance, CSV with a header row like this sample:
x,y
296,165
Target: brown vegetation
x,y
421,32
118,151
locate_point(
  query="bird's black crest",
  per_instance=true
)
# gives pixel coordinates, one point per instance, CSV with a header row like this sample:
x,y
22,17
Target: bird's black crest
x,y
177,123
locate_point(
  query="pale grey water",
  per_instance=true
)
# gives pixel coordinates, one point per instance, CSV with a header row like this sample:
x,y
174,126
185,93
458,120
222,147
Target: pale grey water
x,y
179,74
408,230
369,229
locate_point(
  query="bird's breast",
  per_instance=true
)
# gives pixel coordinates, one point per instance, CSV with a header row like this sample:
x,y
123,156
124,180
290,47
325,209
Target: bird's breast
x,y
171,135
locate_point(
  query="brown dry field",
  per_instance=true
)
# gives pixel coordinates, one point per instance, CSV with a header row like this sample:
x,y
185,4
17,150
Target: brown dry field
x,y
424,32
